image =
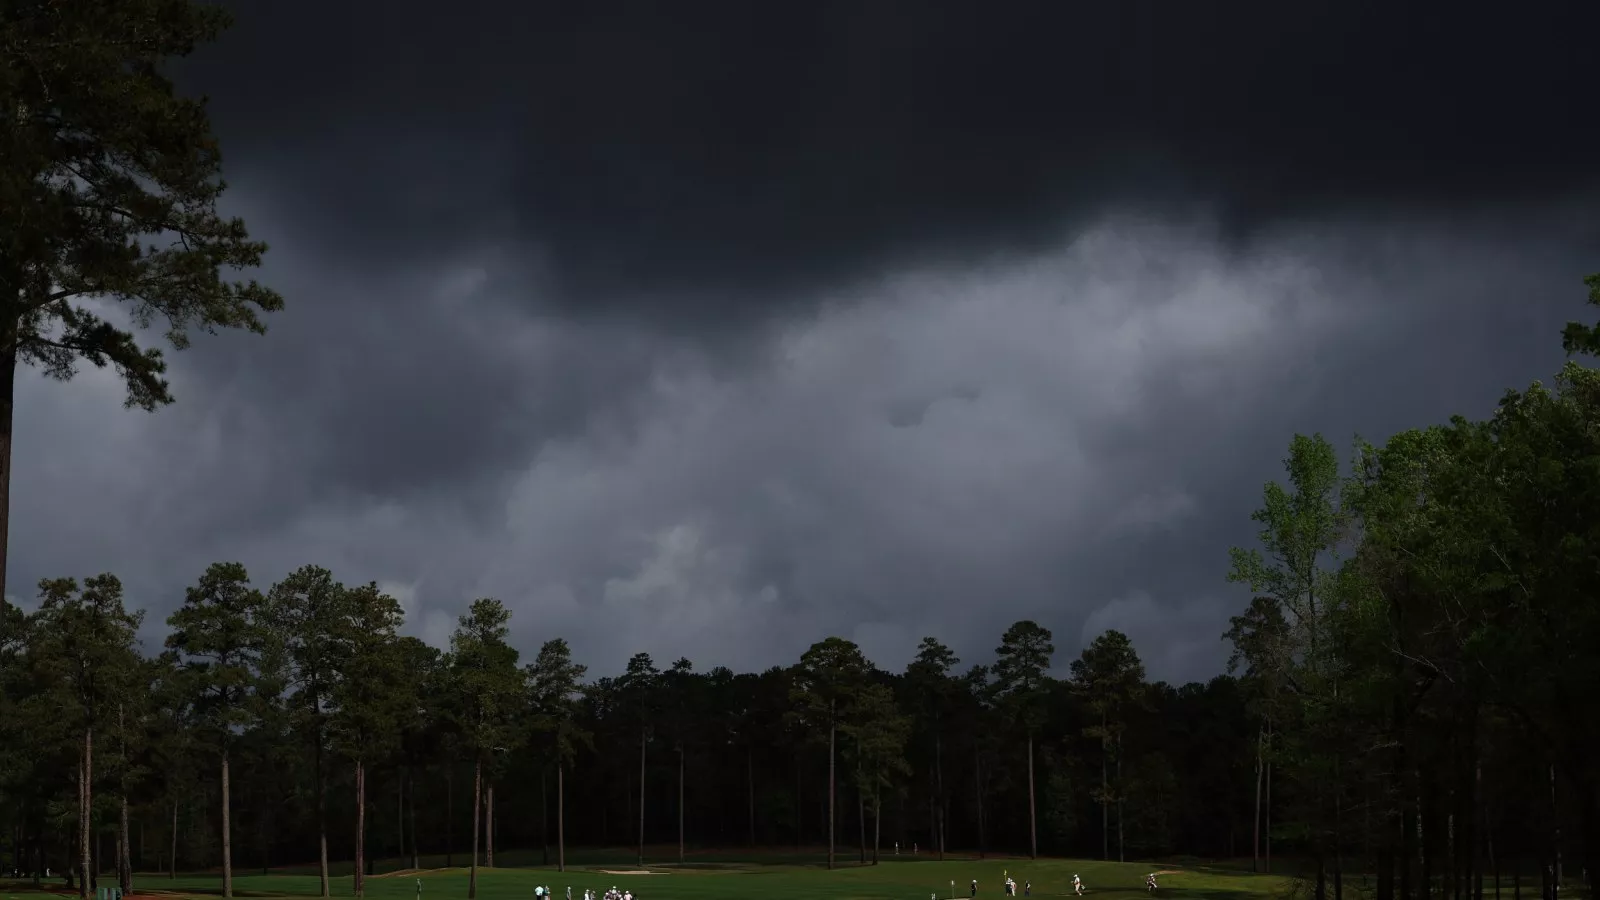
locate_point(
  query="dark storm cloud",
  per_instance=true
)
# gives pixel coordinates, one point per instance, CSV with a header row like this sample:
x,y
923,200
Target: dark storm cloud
x,y
679,158
711,329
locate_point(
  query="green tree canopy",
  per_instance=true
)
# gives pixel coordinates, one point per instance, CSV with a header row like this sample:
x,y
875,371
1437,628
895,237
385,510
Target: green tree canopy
x,y
110,182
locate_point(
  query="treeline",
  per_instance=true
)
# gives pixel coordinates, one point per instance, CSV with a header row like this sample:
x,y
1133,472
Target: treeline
x,y
297,724
1411,703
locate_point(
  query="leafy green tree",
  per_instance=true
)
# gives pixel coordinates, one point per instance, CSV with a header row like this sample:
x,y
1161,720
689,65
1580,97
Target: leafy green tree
x,y
367,700
555,683
678,688
1110,678
306,611
1152,787
738,697
120,179
1020,684
1304,527
174,750
1262,649
831,673
89,646
1578,338
640,686
219,636
488,690
934,689
421,720
977,714
877,732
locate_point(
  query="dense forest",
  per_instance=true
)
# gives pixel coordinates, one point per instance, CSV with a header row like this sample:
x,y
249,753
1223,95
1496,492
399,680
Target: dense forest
x,y
1410,702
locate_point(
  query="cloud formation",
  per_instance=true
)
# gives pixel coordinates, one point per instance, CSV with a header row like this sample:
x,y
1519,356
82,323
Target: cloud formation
x,y
1074,435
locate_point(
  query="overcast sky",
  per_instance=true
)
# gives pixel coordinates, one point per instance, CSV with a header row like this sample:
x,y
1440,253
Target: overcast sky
x,y
714,328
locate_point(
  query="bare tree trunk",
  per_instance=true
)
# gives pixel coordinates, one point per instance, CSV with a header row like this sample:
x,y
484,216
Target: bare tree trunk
x,y
1255,841
172,861
877,822
1338,823
124,843
1121,854
86,810
938,782
360,880
977,774
477,824
831,730
411,796
322,813
644,736
561,817
126,862
680,804
227,825
1266,808
1033,818
488,823
1105,788
861,821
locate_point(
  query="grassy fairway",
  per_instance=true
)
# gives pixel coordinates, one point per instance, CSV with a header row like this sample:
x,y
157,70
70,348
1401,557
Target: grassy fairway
x,y
896,879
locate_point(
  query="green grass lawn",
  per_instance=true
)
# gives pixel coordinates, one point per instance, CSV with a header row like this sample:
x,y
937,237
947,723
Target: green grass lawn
x,y
768,877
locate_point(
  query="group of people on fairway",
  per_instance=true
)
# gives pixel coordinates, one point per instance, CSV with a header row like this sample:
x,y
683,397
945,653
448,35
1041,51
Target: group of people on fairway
x,y
1010,886
544,893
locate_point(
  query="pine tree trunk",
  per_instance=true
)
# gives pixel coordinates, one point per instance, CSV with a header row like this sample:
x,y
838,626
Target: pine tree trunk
x,y
750,786
1255,840
86,810
172,861
877,822
400,816
488,823
1338,824
680,804
561,817
643,740
359,884
126,862
799,823
1121,854
477,824
124,843
227,825
977,774
831,731
544,816
449,816
322,812
1105,790
1266,809
1408,829
861,822
411,797
1033,818
938,780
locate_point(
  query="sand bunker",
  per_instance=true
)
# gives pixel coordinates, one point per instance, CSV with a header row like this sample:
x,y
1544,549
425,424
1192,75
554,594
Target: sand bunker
x,y
401,873
629,872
